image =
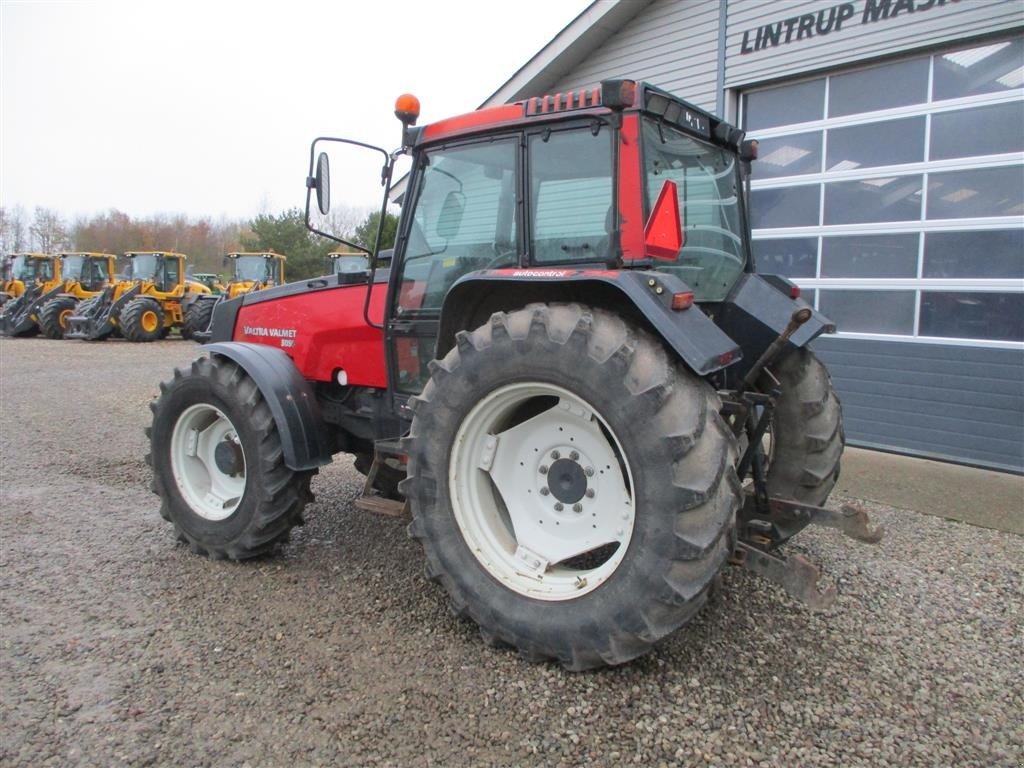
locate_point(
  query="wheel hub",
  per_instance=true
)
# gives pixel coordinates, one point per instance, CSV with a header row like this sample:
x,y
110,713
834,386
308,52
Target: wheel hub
x,y
228,457
208,462
567,481
536,496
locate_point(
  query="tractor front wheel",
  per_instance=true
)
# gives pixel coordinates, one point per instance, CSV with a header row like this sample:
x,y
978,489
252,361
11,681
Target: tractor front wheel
x,y
218,466
53,317
142,320
573,486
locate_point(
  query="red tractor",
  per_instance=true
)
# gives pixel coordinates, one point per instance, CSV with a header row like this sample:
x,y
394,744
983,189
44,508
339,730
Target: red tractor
x,y
570,374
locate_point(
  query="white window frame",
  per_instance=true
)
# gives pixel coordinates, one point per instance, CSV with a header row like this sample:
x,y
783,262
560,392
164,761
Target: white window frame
x,y
918,226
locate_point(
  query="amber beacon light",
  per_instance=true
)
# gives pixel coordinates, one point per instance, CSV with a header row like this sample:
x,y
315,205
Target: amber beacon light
x,y
407,108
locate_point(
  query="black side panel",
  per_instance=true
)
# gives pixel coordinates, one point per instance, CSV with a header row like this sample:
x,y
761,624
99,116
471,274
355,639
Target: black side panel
x,y
290,397
314,284
756,312
693,335
222,326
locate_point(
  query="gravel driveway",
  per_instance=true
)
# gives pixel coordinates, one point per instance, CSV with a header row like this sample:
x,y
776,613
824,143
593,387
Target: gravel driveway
x,y
121,647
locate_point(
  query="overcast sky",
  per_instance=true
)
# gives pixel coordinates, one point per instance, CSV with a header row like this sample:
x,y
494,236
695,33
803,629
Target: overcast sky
x,y
208,108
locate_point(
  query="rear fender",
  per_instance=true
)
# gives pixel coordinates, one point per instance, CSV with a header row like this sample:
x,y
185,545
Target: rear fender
x,y
644,297
757,311
292,403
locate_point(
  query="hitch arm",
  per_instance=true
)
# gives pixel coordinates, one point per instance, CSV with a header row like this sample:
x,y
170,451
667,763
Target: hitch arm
x,y
796,574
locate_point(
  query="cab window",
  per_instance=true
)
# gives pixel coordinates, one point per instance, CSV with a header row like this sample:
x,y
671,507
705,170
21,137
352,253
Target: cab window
x,y
464,219
571,195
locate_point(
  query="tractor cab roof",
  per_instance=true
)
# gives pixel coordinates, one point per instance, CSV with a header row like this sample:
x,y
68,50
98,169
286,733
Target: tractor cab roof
x,y
600,101
129,254
265,254
87,254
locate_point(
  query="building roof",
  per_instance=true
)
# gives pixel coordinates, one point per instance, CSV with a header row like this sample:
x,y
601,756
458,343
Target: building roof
x,y
573,44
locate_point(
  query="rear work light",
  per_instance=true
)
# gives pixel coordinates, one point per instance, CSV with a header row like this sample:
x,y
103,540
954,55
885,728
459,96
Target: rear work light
x,y
682,301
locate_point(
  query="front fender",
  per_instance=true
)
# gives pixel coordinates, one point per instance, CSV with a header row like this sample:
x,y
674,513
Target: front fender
x,y
290,397
647,296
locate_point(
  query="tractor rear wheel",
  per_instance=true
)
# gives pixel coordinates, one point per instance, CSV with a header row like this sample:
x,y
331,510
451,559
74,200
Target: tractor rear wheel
x,y
806,435
573,486
197,317
218,466
53,317
142,319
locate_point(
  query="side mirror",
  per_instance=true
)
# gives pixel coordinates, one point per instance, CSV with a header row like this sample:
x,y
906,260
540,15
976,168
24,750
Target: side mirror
x,y
663,234
450,220
322,183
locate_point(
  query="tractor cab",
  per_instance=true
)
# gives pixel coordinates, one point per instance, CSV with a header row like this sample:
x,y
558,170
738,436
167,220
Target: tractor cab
x,y
92,271
210,279
25,269
33,267
348,263
162,270
254,271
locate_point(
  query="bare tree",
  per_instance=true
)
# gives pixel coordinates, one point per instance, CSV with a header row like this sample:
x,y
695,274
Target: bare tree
x,y
12,230
49,232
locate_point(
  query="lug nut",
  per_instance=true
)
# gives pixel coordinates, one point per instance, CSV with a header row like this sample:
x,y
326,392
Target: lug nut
x,y
589,471
544,491
577,507
556,455
574,456
543,469
590,493
558,506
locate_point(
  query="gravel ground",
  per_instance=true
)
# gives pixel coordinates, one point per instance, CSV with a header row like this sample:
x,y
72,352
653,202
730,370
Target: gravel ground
x,y
121,647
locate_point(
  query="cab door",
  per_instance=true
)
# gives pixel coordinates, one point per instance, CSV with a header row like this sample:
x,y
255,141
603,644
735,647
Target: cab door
x,y
464,214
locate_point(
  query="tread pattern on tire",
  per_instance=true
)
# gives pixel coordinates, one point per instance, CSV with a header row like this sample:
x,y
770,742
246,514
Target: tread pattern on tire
x,y
49,316
694,452
130,321
197,317
278,494
809,437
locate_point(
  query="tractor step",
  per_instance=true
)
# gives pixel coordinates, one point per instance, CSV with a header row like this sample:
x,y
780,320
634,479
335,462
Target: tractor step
x,y
371,501
378,505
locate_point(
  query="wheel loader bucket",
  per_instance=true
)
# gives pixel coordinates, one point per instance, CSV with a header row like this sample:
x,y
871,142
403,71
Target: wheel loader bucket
x,y
17,317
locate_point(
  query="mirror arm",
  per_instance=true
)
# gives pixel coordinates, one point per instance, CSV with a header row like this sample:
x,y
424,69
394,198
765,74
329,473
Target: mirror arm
x,y
386,173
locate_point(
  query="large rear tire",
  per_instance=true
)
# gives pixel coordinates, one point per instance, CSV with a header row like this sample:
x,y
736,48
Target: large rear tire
x,y
807,434
218,466
53,317
573,487
142,320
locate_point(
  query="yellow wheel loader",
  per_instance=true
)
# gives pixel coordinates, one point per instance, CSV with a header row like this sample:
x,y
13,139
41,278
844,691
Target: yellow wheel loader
x,y
27,278
146,309
250,272
85,275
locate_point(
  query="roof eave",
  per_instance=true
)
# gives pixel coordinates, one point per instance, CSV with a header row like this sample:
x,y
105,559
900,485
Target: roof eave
x,y
599,21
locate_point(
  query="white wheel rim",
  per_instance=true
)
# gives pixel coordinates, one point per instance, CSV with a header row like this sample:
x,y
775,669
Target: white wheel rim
x,y
528,521
211,492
